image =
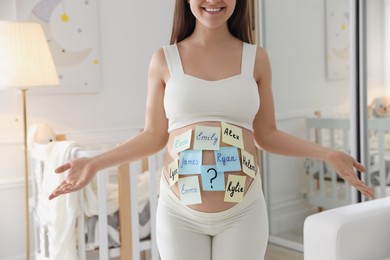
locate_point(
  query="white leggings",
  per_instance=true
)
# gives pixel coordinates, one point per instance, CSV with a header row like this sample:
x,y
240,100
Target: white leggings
x,y
240,232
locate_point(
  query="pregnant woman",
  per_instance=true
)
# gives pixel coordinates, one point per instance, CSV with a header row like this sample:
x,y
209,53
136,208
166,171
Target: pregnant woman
x,y
210,105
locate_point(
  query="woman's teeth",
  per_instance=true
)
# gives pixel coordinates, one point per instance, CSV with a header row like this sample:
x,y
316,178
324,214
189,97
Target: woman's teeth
x,y
213,10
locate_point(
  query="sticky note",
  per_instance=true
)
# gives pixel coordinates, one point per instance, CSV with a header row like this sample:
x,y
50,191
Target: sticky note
x,y
212,180
232,135
227,159
189,190
190,162
173,169
248,163
182,142
207,138
235,188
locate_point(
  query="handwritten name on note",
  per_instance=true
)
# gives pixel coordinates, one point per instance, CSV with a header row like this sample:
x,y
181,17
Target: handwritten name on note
x,y
248,163
207,138
189,190
227,159
235,188
173,168
190,162
232,135
182,142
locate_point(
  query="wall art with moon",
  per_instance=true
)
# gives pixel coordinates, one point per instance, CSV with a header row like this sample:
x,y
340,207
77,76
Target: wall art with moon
x,y
72,32
337,39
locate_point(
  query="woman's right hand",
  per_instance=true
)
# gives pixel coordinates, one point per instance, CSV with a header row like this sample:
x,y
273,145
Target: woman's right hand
x,y
81,172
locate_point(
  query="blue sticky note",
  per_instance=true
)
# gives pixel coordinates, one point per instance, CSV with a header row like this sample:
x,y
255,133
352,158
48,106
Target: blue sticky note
x,y
227,160
212,179
190,162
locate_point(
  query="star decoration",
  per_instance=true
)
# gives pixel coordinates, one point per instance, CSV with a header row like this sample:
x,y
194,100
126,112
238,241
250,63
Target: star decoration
x,y
64,18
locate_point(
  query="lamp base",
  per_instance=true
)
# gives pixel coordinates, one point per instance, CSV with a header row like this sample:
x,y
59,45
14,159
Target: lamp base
x,y
26,181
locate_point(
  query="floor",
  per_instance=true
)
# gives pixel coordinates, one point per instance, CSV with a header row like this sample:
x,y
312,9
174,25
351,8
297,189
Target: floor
x,y
278,253
294,235
273,253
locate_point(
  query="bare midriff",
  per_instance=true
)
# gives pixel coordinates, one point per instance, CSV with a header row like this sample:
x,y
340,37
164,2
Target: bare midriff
x,y
212,201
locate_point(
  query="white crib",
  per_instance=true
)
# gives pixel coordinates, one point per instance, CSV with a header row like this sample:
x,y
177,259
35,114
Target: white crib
x,y
131,247
326,189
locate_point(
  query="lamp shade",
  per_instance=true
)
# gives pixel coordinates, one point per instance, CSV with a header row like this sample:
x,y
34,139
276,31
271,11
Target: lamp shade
x,y
25,58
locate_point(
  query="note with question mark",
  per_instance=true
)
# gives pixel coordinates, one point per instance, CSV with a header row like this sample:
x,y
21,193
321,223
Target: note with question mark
x,y
212,180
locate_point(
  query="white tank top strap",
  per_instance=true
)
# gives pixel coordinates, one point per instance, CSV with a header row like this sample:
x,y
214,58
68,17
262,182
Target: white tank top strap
x,y
172,57
248,59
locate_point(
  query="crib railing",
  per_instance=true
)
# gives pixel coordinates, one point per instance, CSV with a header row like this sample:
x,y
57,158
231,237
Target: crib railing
x,y
131,246
379,146
326,189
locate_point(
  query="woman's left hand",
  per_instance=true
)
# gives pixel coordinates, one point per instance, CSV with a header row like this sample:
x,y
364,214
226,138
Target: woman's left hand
x,y
345,166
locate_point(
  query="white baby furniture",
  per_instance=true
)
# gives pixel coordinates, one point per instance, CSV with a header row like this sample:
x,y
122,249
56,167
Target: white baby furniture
x,y
353,232
326,189
67,224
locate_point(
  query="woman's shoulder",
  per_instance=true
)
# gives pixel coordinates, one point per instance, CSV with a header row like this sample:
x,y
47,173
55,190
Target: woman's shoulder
x,y
158,55
261,53
158,64
262,63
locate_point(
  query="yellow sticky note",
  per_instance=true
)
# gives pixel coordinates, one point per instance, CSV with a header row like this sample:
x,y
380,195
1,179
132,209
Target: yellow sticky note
x,y
173,169
248,163
190,190
232,135
235,188
182,142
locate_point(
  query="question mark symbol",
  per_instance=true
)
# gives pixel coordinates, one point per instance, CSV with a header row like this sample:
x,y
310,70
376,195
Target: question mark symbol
x,y
215,176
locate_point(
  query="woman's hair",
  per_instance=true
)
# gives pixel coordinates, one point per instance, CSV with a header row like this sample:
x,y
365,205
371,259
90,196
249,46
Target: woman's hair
x,y
184,22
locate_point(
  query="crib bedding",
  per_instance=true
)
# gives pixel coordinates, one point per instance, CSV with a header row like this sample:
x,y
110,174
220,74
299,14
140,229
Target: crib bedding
x,y
92,228
57,217
55,221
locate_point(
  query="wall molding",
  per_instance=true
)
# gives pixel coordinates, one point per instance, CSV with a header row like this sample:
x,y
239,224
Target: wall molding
x,y
8,184
310,112
11,140
287,201
97,134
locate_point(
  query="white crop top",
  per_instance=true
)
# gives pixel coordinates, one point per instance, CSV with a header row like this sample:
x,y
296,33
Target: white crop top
x,y
190,100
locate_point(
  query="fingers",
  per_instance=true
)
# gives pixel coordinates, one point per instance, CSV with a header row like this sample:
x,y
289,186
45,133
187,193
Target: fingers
x,y
351,177
358,184
359,167
365,190
63,188
63,167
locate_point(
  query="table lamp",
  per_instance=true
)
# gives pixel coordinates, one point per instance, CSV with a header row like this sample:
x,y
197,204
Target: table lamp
x,y
25,62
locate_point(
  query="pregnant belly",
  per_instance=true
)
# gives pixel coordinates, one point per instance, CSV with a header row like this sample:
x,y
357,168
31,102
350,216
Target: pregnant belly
x,y
210,166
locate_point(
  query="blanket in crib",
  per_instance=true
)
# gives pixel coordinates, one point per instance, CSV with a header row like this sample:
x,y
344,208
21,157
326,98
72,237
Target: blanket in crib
x,y
57,218
58,215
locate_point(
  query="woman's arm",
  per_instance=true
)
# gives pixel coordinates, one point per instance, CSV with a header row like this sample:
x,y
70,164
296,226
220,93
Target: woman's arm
x,y
269,138
152,139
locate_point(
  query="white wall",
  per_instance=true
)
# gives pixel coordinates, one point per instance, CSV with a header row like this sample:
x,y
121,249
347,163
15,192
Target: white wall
x,y
387,44
295,39
130,31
